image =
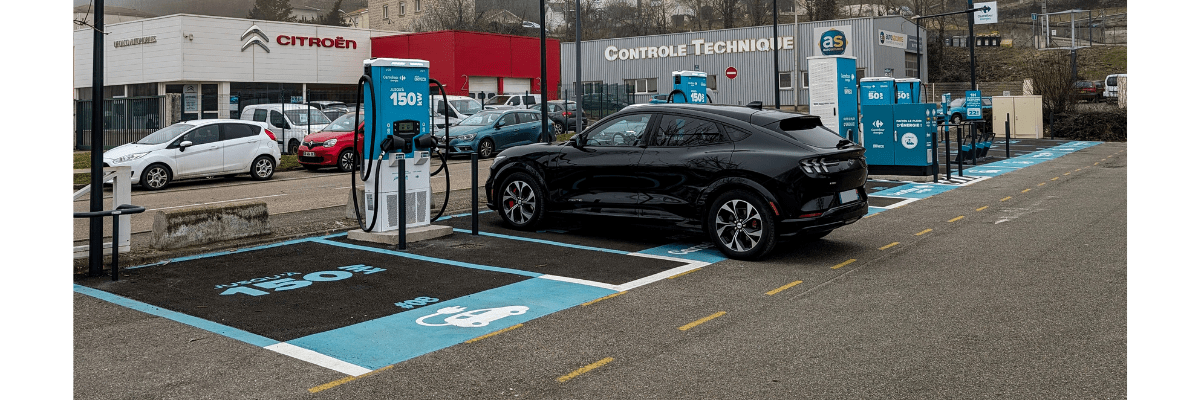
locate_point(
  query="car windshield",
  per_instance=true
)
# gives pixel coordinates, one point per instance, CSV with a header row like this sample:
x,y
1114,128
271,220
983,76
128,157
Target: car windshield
x,y
302,117
467,106
344,123
166,134
481,119
497,100
957,102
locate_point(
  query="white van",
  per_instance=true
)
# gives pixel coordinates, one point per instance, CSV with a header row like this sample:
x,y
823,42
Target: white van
x,y
1110,87
291,125
460,108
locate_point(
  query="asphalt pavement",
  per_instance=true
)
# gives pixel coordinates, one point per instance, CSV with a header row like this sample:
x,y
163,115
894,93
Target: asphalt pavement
x,y
1011,286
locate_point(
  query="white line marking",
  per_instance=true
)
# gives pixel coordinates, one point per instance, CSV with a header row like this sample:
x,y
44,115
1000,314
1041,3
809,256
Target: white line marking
x,y
304,354
217,202
691,265
580,281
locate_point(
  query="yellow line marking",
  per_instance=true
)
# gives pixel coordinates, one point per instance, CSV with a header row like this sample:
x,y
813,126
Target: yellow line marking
x,y
1096,164
1006,198
1077,169
889,246
1042,184
784,287
346,379
1054,178
923,232
844,263
589,367
494,333
701,321
957,218
1066,174
682,273
603,298
981,208
1026,190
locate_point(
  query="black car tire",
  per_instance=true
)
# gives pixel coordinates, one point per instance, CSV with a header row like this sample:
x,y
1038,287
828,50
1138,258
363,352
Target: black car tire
x,y
262,168
956,119
558,129
293,147
346,160
522,201
155,177
738,224
487,148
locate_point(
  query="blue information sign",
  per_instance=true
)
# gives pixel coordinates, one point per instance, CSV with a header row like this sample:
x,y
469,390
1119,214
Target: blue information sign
x,y
974,105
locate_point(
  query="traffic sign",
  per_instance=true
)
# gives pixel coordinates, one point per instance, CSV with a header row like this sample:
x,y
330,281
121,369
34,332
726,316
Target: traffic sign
x,y
731,72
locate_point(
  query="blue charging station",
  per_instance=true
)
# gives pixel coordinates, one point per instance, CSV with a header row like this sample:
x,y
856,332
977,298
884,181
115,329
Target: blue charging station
x,y
877,91
690,87
908,91
833,93
399,107
897,134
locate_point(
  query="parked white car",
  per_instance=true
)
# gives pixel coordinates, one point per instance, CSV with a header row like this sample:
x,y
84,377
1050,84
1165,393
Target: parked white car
x,y
511,101
460,108
198,149
289,122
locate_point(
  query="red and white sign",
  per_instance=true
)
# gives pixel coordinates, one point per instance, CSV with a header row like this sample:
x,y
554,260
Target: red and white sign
x,y
731,72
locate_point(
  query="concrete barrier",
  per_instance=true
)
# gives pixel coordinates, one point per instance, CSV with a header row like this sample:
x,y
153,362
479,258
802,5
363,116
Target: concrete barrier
x,y
191,226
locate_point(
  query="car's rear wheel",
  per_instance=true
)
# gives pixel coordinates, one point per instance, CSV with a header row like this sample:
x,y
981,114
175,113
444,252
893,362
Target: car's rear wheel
x,y
293,147
487,148
956,119
738,225
558,128
345,161
262,168
522,201
155,177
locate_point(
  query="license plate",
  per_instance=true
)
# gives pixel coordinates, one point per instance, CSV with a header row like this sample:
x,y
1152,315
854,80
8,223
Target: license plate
x,y
849,196
310,154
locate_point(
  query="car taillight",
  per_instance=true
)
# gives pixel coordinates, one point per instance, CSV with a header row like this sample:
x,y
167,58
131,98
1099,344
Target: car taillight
x,y
270,135
566,114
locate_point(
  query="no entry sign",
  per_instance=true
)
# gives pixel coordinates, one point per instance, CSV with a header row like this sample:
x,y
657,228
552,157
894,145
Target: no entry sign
x,y
731,72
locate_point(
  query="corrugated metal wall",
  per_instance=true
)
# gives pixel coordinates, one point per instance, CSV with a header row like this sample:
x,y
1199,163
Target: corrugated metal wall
x,y
754,81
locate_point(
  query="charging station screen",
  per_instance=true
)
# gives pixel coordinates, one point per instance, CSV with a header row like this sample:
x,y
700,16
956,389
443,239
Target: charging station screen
x,y
406,127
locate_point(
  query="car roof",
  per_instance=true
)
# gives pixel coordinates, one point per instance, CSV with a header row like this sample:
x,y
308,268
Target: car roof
x,y
742,113
202,122
287,106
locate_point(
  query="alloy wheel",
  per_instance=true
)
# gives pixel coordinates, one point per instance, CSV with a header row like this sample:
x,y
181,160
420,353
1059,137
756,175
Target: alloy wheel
x,y
739,225
156,177
519,202
263,168
346,161
486,149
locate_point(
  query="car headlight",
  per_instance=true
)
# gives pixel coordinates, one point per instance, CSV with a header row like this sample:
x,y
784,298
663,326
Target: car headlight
x,y
330,142
467,137
130,157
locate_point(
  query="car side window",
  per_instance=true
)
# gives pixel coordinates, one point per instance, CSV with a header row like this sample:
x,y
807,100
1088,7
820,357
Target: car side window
x,y
204,134
510,119
529,100
524,118
623,131
680,131
277,119
237,131
260,115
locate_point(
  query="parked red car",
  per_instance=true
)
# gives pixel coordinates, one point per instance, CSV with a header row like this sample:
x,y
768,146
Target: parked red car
x,y
1088,91
331,146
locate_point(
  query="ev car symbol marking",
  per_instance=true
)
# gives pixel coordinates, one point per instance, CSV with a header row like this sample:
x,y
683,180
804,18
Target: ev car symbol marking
x,y
474,318
909,140
692,249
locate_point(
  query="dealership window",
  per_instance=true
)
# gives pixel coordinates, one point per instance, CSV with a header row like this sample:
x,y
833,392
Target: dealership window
x,y
385,11
593,87
418,6
785,80
911,63
141,90
644,85
403,5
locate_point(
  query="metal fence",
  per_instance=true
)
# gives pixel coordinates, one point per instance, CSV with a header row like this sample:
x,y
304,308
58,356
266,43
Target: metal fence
x,y
126,120
602,99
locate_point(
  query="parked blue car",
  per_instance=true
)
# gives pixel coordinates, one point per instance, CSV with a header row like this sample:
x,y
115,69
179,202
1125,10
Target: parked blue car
x,y
490,131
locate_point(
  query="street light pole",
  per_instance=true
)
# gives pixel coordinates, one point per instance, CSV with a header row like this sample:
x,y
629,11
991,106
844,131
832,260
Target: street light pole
x,y
775,45
545,109
578,72
96,203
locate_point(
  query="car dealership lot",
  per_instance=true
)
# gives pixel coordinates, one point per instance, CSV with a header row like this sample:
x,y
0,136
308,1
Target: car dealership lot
x,y
1011,286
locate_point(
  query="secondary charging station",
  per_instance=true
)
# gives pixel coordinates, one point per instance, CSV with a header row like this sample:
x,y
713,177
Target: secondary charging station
x,y
833,94
396,150
897,132
690,87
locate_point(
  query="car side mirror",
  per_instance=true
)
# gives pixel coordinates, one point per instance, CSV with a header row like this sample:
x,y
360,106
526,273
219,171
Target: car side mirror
x,y
499,124
576,140
184,144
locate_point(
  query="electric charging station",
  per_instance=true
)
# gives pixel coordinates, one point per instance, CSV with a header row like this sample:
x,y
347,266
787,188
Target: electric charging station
x,y
398,109
833,94
897,133
877,91
690,87
908,91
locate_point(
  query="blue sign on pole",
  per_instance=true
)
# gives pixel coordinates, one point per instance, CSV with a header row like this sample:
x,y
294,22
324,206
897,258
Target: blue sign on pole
x,y
974,105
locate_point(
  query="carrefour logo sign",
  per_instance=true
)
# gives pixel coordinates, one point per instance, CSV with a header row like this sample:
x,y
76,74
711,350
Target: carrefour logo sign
x,y
833,43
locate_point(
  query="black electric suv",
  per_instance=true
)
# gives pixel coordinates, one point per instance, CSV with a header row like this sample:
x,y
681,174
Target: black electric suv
x,y
744,175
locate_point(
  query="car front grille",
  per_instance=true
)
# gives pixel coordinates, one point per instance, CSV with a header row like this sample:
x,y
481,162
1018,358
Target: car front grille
x,y
311,144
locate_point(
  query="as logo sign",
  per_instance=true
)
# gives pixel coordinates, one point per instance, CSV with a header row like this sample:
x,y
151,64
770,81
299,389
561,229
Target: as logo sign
x,y
833,42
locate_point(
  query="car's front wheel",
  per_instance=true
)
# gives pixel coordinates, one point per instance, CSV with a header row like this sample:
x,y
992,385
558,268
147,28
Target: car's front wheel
x,y
345,161
738,225
558,129
487,148
956,119
522,201
155,177
262,168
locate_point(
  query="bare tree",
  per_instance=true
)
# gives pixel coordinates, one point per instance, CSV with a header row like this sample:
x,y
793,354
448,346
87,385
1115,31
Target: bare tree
x,y
758,12
449,15
728,11
703,13
823,10
1052,80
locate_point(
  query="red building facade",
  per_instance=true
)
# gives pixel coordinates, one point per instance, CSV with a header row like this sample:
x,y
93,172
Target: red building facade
x,y
472,63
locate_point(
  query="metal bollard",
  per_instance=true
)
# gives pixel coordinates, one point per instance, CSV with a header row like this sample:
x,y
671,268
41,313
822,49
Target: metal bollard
x,y
475,194
947,152
1007,118
403,199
